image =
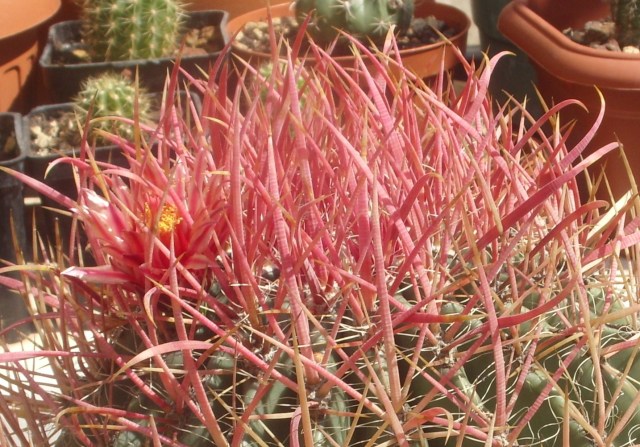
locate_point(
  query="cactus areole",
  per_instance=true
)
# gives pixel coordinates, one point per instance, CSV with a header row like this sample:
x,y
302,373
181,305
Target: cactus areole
x,y
364,19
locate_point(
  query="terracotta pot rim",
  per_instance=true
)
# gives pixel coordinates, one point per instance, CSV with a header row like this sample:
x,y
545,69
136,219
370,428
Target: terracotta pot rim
x,y
19,16
568,60
237,23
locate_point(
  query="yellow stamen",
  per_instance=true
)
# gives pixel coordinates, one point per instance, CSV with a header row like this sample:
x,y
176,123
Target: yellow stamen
x,y
167,221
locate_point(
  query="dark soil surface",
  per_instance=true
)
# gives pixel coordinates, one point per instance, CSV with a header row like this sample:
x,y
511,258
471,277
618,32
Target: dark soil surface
x,y
197,41
599,34
423,31
57,130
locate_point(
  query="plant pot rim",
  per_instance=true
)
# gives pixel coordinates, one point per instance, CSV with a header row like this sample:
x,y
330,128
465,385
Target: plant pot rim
x,y
31,155
45,58
525,24
23,15
462,21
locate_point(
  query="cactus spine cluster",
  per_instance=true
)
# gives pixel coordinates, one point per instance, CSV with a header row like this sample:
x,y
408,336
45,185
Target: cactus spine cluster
x,y
554,366
362,18
112,95
559,368
131,29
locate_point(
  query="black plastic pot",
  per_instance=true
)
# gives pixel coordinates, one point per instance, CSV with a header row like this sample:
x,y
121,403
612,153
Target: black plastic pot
x,y
64,80
11,189
61,177
515,75
48,221
11,211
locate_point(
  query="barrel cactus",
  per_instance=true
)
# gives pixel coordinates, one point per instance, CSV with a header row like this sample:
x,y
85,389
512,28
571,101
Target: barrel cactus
x,y
626,15
388,265
131,29
113,95
365,19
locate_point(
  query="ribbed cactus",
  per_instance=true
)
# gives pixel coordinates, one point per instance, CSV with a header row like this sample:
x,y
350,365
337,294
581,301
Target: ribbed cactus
x,y
362,18
112,95
131,29
626,15
568,410
341,258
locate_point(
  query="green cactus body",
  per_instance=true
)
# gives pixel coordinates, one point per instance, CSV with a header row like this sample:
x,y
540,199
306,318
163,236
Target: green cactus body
x,y
277,399
114,95
627,435
331,425
575,387
362,18
626,15
597,300
545,428
131,29
126,438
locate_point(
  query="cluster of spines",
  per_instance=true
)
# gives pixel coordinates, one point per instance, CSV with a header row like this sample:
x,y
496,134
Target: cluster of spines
x,y
131,29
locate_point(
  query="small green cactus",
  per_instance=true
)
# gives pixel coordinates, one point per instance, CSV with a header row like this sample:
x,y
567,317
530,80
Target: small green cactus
x,y
365,19
112,94
131,29
626,15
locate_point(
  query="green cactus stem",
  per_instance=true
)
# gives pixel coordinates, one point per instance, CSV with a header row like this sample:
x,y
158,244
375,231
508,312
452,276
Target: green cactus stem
x,y
626,15
131,29
365,19
112,94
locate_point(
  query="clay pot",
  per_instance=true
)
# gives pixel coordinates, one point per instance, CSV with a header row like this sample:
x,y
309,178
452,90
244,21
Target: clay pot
x,y
566,69
424,61
20,35
233,7
71,11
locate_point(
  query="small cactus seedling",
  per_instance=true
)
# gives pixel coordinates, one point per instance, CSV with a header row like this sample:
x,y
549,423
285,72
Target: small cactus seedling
x,y
364,19
131,29
112,95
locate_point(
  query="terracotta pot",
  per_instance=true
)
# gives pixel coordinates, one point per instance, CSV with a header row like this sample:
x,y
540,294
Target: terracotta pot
x,y
233,7
20,33
71,11
566,69
424,61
